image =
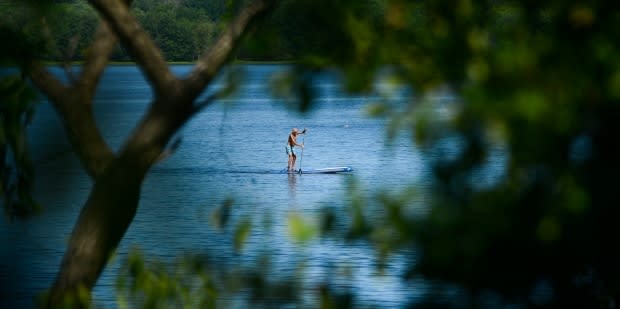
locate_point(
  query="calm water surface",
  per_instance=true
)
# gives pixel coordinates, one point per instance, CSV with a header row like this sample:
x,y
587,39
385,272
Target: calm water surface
x,y
225,153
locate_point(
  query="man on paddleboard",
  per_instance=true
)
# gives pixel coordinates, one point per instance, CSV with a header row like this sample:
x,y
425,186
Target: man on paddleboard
x,y
290,148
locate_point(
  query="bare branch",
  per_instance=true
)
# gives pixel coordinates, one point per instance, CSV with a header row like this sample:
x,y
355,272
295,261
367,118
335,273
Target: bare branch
x,y
74,103
98,55
171,109
96,59
50,85
210,99
68,54
174,145
138,42
210,63
78,120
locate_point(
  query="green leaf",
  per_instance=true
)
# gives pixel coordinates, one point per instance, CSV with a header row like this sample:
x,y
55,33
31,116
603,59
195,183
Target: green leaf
x,y
300,229
242,232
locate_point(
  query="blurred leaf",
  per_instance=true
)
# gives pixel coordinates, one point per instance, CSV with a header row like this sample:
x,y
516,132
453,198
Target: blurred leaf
x,y
300,230
328,220
531,105
242,232
359,226
221,214
376,110
296,87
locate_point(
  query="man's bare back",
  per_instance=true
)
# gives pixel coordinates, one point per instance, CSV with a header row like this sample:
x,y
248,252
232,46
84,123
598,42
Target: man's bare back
x,y
292,138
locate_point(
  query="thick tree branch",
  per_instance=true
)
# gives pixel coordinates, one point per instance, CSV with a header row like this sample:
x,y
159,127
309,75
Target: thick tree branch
x,y
211,62
78,120
74,103
108,212
50,85
96,59
170,110
85,137
98,56
138,42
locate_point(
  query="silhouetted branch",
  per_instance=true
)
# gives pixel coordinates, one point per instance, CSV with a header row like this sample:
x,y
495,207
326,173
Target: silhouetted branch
x,y
74,103
208,100
211,62
68,54
138,42
170,149
97,58
175,103
50,85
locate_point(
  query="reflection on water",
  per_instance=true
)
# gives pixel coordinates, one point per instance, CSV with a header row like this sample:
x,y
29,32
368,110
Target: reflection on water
x,y
219,160
292,189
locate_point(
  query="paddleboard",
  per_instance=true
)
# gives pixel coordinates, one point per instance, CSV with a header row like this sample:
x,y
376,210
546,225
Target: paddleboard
x,y
326,170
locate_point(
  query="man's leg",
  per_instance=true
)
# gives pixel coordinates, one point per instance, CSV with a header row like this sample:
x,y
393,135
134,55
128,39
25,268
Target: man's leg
x,y
293,165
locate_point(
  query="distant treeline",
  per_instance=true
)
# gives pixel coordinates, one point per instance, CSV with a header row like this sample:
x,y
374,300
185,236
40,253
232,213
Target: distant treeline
x,y
183,29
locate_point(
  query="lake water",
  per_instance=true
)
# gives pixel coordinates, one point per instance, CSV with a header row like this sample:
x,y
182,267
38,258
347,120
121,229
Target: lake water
x,y
225,153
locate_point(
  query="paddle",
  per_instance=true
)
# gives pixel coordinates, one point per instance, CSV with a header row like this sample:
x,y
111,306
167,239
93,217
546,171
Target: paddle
x,y
303,140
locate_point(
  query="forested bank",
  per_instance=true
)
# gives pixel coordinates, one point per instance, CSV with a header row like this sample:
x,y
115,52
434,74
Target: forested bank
x,y
183,29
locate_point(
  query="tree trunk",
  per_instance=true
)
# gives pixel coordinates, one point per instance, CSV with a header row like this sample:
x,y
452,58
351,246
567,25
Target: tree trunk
x,y
112,205
109,210
115,195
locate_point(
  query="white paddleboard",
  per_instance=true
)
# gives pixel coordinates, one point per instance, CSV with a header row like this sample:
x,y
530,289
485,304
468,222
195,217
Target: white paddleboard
x,y
327,170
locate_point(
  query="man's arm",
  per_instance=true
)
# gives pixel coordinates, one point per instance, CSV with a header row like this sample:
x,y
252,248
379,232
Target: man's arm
x,y
294,140
302,132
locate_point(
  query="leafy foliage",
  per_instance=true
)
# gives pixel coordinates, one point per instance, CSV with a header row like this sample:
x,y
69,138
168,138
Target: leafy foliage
x,y
538,86
197,281
16,170
537,81
17,103
20,26
538,92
